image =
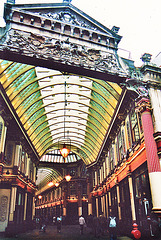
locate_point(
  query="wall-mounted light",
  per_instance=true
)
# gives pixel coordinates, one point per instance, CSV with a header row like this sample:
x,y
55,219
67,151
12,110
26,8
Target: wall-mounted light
x,y
68,178
50,184
56,184
40,197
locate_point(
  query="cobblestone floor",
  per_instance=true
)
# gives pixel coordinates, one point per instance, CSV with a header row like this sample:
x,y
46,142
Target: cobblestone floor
x,y
68,232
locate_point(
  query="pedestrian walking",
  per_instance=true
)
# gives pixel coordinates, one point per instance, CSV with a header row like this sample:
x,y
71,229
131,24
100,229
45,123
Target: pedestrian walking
x,y
81,223
90,222
112,227
96,227
59,223
102,224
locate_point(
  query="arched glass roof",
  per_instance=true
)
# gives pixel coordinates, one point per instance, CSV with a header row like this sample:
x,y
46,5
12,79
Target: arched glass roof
x,y
56,157
46,108
46,175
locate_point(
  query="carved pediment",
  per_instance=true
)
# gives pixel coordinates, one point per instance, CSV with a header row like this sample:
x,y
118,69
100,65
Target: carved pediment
x,y
68,14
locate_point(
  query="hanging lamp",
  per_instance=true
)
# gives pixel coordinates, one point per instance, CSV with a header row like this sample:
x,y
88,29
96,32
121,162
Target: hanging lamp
x,y
64,150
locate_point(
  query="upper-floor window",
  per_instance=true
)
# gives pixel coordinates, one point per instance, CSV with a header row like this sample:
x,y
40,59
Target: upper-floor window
x,y
140,123
93,177
128,133
23,161
84,189
134,127
72,189
1,127
31,170
9,153
111,158
73,172
121,145
98,176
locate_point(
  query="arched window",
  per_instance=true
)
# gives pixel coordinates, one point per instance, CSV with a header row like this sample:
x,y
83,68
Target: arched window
x,y
67,29
76,32
57,27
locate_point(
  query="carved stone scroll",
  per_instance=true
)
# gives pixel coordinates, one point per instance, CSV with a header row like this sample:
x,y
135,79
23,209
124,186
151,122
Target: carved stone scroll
x,y
3,208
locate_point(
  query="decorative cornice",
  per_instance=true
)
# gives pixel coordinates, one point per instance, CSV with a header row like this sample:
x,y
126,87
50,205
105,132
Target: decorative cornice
x,y
143,104
65,52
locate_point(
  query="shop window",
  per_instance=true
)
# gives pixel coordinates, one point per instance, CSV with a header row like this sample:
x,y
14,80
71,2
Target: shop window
x,y
125,202
137,188
142,193
114,207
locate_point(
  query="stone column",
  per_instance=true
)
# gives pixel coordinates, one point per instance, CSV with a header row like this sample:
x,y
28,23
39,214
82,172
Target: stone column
x,y
25,206
79,200
106,196
97,211
118,200
33,207
103,205
89,195
151,152
109,198
13,203
64,194
132,197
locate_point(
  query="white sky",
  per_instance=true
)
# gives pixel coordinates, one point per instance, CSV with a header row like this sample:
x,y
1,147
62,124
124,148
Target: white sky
x,y
139,22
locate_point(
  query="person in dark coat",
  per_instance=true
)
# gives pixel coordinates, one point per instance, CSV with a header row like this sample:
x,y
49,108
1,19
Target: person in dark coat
x,y
96,227
90,222
102,224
